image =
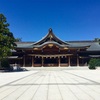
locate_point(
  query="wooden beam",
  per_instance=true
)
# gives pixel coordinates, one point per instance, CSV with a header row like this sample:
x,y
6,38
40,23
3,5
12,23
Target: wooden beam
x,y
56,55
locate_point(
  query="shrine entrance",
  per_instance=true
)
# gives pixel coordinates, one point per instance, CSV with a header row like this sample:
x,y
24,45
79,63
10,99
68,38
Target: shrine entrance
x,y
51,62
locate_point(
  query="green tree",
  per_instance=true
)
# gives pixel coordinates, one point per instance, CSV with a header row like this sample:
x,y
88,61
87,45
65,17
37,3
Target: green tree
x,y
6,38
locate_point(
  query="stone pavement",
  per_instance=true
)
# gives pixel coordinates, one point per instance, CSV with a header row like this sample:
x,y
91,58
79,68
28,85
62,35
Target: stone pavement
x,y
50,85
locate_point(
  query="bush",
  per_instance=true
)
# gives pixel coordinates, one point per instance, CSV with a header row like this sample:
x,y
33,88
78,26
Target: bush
x,y
5,64
93,63
98,63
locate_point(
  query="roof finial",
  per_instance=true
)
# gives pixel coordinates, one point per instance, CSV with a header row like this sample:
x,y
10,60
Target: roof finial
x,y
50,29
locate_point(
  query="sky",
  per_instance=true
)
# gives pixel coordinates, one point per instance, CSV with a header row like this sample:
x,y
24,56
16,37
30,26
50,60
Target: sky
x,y
70,20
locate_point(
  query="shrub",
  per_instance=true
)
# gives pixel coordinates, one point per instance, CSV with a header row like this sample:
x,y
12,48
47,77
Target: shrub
x,y
98,63
5,64
93,63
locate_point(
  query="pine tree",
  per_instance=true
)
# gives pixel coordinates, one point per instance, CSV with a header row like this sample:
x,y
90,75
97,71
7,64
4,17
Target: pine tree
x,y
6,38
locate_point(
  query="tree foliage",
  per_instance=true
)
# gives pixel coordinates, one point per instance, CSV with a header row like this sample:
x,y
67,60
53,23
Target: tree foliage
x,y
5,64
93,63
6,38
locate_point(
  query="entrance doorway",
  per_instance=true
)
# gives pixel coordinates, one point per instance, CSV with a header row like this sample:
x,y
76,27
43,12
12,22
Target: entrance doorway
x,y
51,62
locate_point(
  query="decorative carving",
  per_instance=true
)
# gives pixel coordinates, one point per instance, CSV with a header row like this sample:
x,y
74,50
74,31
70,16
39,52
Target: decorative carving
x,y
50,45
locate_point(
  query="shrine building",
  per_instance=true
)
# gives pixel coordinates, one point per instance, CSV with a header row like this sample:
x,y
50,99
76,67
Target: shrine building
x,y
51,51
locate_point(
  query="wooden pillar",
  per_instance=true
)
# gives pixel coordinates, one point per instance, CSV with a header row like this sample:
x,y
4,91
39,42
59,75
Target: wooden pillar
x,y
32,61
42,61
24,61
77,60
59,61
69,61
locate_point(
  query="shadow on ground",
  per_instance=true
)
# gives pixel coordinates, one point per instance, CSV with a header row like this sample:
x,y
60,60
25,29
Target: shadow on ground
x,y
17,69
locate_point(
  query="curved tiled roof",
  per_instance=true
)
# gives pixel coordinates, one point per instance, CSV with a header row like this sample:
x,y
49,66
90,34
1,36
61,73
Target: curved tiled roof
x,y
70,45
50,38
50,33
94,47
23,44
51,42
79,45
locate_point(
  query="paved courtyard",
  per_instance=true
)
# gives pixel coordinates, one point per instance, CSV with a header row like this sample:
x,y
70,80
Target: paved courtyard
x,y
50,84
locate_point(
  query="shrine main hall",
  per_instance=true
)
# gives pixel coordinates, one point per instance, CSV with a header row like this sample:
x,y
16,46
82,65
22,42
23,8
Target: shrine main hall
x,y
51,51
